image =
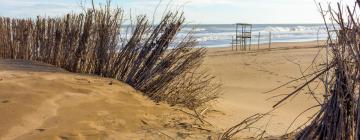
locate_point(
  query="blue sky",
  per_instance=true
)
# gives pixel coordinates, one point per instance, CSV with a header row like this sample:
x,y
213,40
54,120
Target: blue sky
x,y
196,11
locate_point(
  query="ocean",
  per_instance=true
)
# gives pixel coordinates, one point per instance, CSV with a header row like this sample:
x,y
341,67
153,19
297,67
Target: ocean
x,y
221,35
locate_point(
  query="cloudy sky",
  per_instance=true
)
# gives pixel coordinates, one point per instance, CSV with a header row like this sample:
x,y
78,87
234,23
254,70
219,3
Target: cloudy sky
x,y
196,11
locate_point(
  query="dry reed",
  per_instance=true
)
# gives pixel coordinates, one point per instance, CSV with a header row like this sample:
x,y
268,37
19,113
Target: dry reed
x,y
339,113
92,43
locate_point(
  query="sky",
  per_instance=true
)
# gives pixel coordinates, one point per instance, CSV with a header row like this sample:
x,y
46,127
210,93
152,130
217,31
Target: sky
x,y
196,11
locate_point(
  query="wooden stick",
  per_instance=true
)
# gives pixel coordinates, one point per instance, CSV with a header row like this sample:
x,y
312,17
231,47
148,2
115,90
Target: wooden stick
x,y
269,40
259,40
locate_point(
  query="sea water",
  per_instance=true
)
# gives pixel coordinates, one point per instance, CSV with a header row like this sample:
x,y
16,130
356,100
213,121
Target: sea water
x,y
220,35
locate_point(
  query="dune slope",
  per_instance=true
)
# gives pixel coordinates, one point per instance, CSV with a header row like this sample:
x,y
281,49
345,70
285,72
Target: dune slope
x,y
39,101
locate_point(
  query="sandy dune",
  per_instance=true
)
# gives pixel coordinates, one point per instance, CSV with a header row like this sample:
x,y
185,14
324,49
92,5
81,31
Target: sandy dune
x,y
247,75
40,102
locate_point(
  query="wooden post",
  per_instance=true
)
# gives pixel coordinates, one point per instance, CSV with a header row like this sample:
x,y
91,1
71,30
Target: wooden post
x,y
250,45
236,37
242,39
232,43
269,40
250,37
259,40
244,47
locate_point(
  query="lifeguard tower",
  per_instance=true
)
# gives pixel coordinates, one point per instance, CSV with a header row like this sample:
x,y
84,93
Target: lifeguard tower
x,y
242,39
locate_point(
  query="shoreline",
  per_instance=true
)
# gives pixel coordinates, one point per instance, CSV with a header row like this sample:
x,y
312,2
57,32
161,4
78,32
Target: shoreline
x,y
278,45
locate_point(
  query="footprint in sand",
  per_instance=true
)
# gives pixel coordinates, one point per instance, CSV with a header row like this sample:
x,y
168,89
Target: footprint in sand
x,y
71,136
63,138
85,134
40,130
5,101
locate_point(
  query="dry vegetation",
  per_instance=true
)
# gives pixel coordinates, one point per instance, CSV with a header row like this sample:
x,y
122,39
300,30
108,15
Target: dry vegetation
x,y
93,42
338,117
246,124
339,113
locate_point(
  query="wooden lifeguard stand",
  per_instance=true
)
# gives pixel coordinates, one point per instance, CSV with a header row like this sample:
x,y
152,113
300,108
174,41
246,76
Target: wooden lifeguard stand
x,y
242,39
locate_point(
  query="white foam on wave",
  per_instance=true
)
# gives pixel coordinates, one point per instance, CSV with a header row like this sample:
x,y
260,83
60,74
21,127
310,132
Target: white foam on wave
x,y
213,37
294,29
187,29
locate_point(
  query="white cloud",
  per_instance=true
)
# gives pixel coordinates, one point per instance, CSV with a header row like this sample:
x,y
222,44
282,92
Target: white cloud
x,y
32,8
197,11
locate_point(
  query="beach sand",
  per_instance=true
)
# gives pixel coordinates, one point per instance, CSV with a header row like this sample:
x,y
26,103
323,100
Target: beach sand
x,y
39,101
246,76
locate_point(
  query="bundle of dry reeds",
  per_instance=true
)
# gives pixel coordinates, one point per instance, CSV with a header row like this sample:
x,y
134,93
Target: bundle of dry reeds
x,y
91,42
339,114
